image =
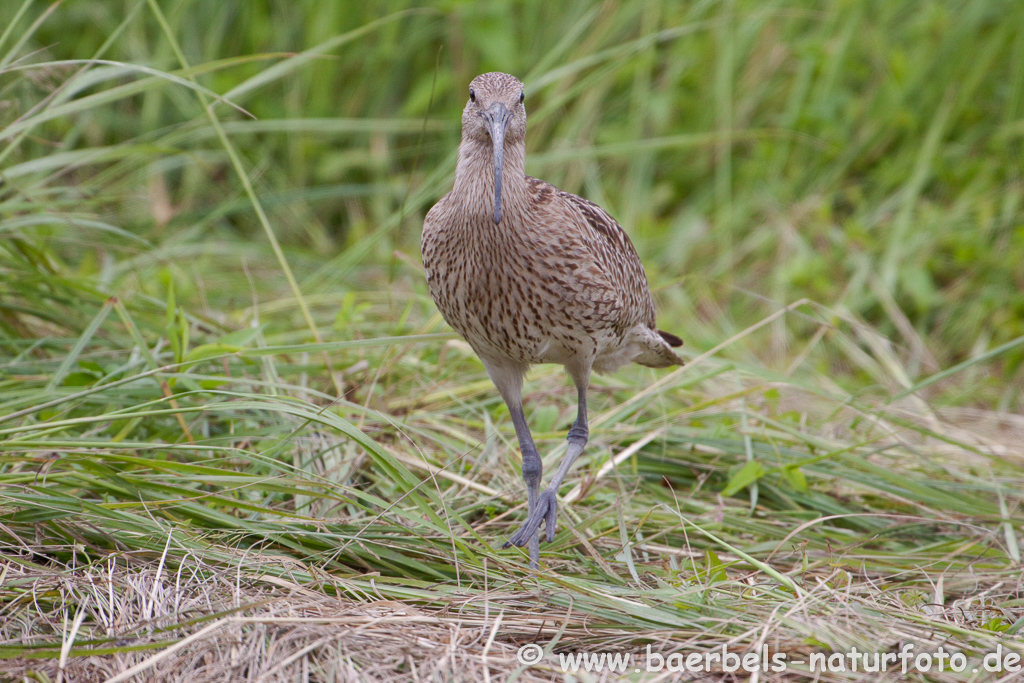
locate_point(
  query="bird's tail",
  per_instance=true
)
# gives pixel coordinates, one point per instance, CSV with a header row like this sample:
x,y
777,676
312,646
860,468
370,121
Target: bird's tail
x,y
670,339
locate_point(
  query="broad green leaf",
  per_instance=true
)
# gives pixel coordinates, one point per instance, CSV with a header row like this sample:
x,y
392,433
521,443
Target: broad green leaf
x,y
747,475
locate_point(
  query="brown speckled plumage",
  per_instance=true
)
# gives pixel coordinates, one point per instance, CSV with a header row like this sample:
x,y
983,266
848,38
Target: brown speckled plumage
x,y
541,276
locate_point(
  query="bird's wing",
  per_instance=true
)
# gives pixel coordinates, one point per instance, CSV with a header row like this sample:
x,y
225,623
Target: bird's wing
x,y
611,247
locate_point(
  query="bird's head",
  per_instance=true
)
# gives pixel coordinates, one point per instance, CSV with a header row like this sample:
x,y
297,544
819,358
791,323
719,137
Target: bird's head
x,y
495,115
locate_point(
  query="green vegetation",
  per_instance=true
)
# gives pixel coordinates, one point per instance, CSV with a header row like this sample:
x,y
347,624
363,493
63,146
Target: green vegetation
x,y
226,399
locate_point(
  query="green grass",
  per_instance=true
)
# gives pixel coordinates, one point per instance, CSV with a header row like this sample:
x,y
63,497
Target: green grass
x,y
228,405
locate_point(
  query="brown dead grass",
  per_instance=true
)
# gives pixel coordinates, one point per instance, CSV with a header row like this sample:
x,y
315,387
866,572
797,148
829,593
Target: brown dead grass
x,y
216,627
199,624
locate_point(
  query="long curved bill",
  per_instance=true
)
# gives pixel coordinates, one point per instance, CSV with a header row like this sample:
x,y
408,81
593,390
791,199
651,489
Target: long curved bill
x,y
498,117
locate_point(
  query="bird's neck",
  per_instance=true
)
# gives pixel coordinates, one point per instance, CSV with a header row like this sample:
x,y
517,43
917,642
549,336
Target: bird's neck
x,y
474,178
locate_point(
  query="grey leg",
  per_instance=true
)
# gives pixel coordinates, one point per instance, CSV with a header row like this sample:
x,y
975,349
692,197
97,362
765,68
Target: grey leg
x,y
546,509
580,431
532,471
508,378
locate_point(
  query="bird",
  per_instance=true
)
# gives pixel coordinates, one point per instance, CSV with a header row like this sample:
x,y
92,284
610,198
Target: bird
x,y
529,274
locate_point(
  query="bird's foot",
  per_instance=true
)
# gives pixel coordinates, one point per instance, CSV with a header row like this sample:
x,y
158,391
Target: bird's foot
x,y
546,510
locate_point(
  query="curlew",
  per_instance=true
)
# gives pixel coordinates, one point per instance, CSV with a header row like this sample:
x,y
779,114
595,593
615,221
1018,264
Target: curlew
x,y
529,274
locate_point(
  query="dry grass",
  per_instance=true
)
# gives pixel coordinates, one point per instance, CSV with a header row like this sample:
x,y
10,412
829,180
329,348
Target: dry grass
x,y
201,624
922,575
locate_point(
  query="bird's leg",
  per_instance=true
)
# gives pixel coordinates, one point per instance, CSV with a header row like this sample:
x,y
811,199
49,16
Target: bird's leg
x,y
546,508
532,470
508,378
580,431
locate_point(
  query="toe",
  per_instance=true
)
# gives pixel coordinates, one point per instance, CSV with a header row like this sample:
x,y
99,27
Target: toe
x,y
522,537
548,510
551,520
546,513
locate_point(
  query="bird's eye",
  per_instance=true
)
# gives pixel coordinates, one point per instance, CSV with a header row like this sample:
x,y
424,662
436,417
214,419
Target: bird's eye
x,y
472,95
521,96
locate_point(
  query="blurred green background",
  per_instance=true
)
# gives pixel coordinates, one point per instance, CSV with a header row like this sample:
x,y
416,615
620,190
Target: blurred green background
x,y
866,155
